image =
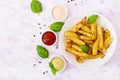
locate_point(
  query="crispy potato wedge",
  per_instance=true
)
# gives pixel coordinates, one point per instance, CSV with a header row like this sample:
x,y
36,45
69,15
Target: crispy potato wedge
x,y
94,31
95,47
85,28
84,20
90,56
103,50
88,41
76,47
77,41
107,34
79,59
71,34
107,42
84,33
85,38
99,55
67,41
76,27
90,51
100,35
87,24
68,45
72,50
90,45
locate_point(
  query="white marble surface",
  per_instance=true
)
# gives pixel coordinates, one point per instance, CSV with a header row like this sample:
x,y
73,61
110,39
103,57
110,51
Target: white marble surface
x,y
17,44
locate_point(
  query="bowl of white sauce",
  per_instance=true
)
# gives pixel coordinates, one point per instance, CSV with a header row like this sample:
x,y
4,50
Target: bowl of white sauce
x,y
59,12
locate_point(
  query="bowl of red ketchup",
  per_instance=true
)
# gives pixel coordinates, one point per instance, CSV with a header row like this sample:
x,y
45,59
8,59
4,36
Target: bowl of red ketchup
x,y
49,38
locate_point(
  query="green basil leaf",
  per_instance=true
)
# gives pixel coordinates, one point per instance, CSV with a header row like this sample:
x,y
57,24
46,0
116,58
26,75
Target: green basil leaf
x,y
85,48
42,52
57,26
92,19
36,6
53,70
51,65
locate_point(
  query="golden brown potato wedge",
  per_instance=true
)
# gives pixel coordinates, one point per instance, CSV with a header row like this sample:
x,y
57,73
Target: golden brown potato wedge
x,y
72,50
85,38
90,51
88,41
67,41
79,59
71,34
90,56
107,34
99,55
84,20
85,28
95,47
103,50
84,33
87,24
100,35
94,31
107,42
77,41
68,45
76,47
76,27
90,45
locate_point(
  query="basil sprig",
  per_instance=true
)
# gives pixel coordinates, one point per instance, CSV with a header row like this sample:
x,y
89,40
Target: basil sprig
x,y
36,6
92,19
42,52
53,70
57,26
85,48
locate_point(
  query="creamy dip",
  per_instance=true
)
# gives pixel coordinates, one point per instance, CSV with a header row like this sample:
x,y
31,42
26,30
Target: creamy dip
x,y
59,12
58,63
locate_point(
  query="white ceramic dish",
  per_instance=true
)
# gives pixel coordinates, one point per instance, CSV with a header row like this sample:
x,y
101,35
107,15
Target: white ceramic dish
x,y
55,36
91,63
63,60
65,11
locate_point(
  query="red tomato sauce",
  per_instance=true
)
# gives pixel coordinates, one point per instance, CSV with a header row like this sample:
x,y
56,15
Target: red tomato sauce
x,y
48,38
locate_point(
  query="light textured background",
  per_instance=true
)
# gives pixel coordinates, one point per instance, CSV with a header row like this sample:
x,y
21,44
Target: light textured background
x,y
17,44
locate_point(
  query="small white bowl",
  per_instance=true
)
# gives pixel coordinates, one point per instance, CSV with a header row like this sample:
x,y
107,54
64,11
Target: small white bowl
x,y
55,36
63,60
64,16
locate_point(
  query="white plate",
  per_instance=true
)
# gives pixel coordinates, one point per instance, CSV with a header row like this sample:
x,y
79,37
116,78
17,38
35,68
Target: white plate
x,y
91,63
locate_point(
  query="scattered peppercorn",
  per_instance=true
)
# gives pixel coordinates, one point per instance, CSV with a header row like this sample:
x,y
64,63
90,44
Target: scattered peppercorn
x,y
38,23
40,32
57,47
34,64
75,3
46,71
70,1
39,61
43,72
33,35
